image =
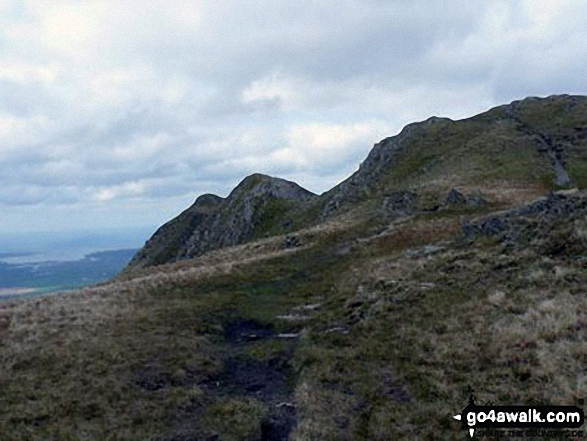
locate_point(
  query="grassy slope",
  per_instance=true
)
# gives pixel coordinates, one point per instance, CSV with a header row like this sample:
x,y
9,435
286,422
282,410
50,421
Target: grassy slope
x,y
401,332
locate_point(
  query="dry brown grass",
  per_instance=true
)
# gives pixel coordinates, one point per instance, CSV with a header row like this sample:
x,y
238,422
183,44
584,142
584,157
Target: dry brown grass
x,y
413,233
512,325
499,192
223,259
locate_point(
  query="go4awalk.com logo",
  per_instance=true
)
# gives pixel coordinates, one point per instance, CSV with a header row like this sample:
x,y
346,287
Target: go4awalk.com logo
x,y
522,421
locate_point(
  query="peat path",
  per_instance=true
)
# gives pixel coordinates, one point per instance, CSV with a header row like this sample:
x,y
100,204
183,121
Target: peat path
x,y
268,380
264,380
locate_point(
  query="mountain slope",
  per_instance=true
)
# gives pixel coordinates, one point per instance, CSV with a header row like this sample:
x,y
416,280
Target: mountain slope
x,y
365,332
258,206
534,142
537,144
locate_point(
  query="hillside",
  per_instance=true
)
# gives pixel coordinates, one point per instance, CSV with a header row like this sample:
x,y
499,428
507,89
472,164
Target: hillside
x,y
533,145
257,207
455,258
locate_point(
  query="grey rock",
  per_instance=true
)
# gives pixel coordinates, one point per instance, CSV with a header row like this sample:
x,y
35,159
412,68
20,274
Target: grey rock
x,y
455,197
401,201
258,202
292,241
547,133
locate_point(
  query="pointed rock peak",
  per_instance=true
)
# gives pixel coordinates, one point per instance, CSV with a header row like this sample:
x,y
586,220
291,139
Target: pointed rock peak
x,y
437,119
207,200
258,184
256,179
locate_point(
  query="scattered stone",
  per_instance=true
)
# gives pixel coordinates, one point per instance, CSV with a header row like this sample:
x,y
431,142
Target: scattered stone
x,y
533,221
455,197
427,250
337,329
293,317
383,284
285,405
400,201
568,192
497,298
292,242
289,335
487,227
432,249
309,307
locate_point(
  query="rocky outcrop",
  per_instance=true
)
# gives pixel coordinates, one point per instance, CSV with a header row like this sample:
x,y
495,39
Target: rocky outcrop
x,y
535,139
260,205
168,241
457,199
533,222
368,180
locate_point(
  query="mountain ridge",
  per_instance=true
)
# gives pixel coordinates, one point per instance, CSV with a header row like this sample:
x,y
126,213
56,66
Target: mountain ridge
x,y
533,143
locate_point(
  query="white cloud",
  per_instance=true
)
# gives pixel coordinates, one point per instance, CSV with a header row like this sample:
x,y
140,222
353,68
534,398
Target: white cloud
x,y
270,88
108,105
25,73
316,146
119,191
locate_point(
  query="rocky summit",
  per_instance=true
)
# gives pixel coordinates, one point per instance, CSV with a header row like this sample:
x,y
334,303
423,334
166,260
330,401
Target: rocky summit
x,y
258,206
451,266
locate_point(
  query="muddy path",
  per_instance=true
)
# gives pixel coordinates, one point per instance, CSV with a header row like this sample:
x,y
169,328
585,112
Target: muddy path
x,y
267,381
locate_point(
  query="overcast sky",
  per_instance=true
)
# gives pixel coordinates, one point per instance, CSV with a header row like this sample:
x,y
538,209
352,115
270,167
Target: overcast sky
x,y
120,113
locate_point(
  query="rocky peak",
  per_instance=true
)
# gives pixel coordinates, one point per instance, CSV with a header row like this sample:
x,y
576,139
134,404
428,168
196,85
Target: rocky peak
x,y
208,200
259,185
258,205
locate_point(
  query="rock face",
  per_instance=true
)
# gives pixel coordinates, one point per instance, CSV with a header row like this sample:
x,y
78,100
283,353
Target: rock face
x,y
524,225
528,141
258,206
539,142
457,199
369,180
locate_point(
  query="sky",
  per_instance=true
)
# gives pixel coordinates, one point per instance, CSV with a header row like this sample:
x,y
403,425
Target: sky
x,y
118,114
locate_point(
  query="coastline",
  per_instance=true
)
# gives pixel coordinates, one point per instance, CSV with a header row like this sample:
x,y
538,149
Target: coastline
x,y
9,292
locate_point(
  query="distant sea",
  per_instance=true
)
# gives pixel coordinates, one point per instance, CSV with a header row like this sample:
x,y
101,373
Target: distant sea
x,y
40,263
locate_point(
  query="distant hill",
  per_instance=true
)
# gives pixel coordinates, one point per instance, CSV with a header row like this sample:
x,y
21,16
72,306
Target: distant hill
x,y
536,144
